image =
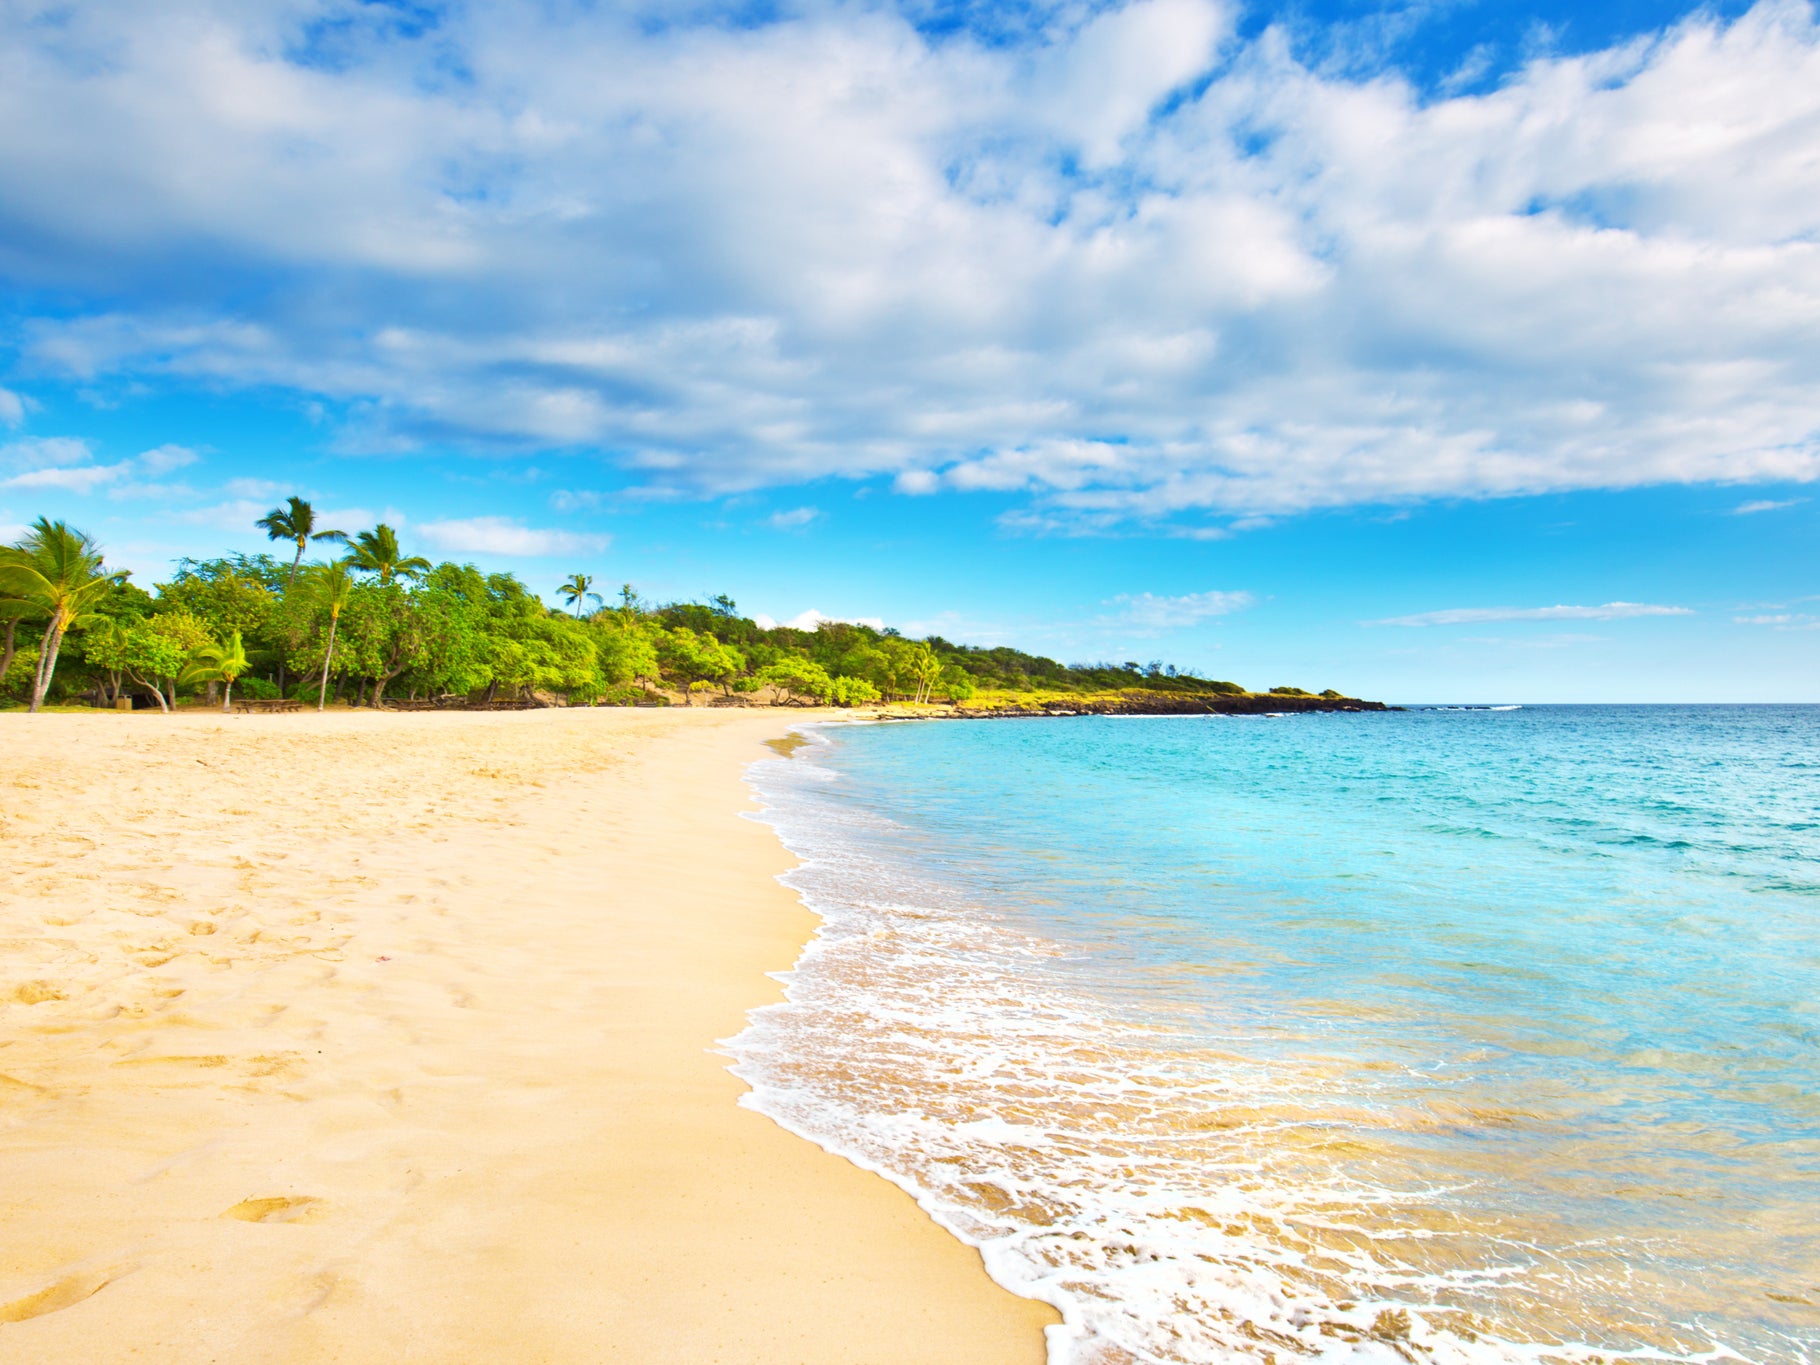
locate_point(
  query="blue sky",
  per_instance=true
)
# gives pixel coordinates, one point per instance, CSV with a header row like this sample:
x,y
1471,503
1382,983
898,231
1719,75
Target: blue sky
x,y
1429,351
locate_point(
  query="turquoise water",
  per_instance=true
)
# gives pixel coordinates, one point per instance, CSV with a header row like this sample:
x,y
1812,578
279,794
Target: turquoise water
x,y
1446,1035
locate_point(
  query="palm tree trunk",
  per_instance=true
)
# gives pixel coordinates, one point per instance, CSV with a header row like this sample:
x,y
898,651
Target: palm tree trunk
x,y
301,542
227,695
9,649
47,663
323,691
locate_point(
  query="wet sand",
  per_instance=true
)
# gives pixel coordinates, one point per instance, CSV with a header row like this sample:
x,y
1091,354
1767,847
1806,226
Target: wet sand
x,y
389,1038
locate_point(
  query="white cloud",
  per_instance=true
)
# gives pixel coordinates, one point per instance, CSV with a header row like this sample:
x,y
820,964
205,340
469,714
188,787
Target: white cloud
x,y
1150,614
60,462
44,452
166,458
813,619
12,408
235,515
256,488
1782,620
502,536
794,520
67,463
575,500
1131,268
1470,616
1745,509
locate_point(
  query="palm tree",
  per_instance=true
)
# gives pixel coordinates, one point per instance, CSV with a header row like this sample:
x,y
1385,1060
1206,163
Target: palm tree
x,y
297,524
376,552
216,662
330,586
576,591
55,571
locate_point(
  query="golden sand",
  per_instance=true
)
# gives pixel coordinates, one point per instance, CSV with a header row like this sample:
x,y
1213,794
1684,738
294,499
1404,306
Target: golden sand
x,y
389,1038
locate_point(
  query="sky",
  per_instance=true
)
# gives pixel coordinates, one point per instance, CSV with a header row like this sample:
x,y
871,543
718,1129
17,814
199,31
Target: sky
x,y
1440,350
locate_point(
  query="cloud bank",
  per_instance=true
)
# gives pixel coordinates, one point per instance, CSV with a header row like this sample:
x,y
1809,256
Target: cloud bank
x,y
1120,266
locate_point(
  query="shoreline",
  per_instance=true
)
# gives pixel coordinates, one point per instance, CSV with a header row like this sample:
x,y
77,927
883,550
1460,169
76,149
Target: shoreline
x,y
295,1057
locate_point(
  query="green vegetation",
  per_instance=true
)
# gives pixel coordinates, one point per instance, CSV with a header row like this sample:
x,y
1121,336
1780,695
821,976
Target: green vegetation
x,y
380,626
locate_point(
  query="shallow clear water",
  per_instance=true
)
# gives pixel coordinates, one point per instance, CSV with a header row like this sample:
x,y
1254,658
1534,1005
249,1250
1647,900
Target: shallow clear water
x,y
1438,1035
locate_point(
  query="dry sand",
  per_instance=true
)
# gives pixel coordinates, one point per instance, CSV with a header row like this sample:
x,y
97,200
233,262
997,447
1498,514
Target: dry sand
x,y
387,1038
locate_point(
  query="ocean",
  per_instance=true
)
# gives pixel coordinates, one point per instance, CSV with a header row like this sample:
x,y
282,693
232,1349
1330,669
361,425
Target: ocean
x,y
1446,1035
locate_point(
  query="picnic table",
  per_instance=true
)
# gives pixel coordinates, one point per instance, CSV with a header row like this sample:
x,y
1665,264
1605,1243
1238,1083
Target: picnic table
x,y
253,706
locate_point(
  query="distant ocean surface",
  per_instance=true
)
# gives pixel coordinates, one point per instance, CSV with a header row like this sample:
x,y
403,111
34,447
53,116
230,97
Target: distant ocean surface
x,y
1449,1035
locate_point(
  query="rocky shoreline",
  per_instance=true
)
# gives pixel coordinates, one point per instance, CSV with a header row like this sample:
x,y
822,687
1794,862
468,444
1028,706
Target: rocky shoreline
x,y
1246,704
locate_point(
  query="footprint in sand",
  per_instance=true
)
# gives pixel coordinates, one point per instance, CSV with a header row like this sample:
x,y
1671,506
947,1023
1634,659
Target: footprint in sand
x,y
279,1208
65,1293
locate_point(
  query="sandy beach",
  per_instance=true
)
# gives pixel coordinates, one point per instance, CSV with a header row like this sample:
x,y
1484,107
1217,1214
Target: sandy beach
x,y
369,1037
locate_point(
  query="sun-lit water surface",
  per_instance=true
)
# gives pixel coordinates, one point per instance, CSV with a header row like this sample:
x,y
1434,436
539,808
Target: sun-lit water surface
x,y
1443,1035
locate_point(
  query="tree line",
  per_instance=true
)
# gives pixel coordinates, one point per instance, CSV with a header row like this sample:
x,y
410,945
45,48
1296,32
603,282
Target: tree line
x,y
372,625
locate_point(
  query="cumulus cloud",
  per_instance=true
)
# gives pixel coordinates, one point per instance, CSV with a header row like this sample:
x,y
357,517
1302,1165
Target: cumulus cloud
x,y
502,536
1115,262
1472,616
12,408
1150,614
813,619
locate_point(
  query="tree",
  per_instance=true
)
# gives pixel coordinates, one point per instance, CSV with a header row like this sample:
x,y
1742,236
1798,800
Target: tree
x,y
104,645
625,649
57,572
295,522
376,552
957,683
144,652
852,692
925,670
387,631
576,591
219,662
797,678
237,592
693,658
329,587
11,612
179,634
